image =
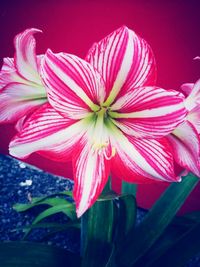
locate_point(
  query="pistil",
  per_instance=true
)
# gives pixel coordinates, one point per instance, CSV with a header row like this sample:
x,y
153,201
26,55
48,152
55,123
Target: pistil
x,y
100,137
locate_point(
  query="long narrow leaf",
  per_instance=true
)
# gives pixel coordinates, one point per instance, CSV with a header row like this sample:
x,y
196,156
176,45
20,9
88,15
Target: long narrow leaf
x,y
127,210
69,226
68,209
176,230
48,201
156,220
38,199
28,254
97,233
182,251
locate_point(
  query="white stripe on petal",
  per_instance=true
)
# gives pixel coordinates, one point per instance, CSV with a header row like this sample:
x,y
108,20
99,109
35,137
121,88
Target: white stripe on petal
x,y
124,60
25,57
194,117
91,171
147,157
17,100
186,147
46,130
123,70
148,112
193,98
74,87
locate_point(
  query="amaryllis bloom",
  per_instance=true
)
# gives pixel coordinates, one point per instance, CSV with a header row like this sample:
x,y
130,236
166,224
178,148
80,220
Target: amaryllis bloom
x,y
105,115
185,138
21,88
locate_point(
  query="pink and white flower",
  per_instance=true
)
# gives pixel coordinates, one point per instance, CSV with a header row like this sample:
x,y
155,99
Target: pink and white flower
x,y
106,115
21,88
185,138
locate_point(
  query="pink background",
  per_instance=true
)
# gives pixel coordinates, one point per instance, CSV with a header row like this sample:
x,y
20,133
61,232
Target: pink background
x,y
171,28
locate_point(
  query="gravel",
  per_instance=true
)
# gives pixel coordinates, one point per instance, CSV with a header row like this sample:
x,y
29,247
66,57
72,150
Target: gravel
x,y
20,181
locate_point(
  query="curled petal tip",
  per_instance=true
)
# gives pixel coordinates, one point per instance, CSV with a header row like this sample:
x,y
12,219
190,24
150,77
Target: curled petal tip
x,y
33,30
25,55
26,32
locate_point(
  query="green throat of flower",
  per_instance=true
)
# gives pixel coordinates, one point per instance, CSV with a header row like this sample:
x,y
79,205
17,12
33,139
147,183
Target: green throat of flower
x,y
100,138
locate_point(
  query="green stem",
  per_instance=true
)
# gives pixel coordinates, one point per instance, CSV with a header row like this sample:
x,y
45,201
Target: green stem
x,y
97,233
129,188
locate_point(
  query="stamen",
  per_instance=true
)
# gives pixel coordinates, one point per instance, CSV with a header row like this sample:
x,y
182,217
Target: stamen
x,y
98,146
100,136
101,148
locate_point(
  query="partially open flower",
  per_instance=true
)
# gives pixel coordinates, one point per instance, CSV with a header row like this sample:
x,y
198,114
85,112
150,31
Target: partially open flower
x,y
185,138
21,88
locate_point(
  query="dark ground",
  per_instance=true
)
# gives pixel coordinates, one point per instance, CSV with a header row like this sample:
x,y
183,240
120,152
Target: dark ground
x,y
12,174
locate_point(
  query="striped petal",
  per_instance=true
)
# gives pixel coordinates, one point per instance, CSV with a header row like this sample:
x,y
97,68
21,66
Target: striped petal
x,y
194,117
16,100
193,98
149,158
7,72
120,171
74,87
124,60
25,56
91,171
48,132
186,147
149,112
186,88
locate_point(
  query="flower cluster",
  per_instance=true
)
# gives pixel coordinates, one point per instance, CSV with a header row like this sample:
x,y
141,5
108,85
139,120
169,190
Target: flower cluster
x,y
104,113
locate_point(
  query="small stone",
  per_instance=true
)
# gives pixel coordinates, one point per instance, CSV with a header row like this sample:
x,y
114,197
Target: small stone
x,y
29,197
22,165
26,183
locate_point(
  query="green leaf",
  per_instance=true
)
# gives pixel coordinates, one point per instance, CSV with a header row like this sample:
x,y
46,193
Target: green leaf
x,y
97,233
28,254
156,221
63,193
67,227
175,230
129,188
112,259
127,210
67,209
108,196
107,187
182,250
194,216
48,201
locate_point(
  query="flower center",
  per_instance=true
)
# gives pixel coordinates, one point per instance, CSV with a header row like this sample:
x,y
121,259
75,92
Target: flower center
x,y
100,140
